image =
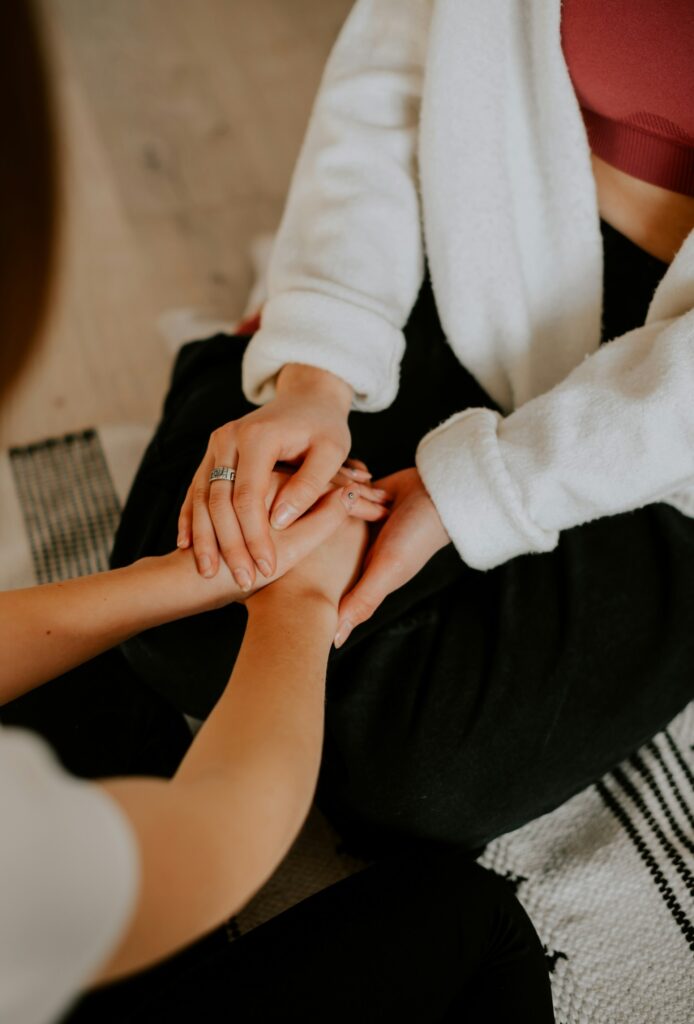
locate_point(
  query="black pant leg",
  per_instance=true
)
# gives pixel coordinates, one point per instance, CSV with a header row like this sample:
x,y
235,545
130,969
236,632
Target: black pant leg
x,y
471,702
432,938
500,695
189,661
497,699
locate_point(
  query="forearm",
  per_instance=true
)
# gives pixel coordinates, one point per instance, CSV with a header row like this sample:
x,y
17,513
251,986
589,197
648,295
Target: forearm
x,y
54,627
264,737
616,434
277,682
243,790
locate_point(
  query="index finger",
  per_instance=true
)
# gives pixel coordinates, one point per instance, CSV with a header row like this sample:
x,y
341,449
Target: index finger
x,y
305,487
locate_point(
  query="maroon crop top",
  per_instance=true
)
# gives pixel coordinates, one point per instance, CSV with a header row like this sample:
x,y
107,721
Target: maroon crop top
x,y
632,66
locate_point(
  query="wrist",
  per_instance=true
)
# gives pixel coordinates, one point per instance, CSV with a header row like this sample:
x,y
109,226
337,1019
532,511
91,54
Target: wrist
x,y
300,377
177,589
308,608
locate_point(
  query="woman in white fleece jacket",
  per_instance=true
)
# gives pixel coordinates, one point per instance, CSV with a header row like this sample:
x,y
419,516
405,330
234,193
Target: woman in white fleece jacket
x,y
448,136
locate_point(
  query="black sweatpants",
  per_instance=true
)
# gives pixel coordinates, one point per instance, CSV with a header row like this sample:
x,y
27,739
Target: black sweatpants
x,y
471,702
433,938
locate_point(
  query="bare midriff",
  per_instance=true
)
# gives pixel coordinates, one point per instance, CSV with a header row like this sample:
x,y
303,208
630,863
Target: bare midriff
x,y
654,218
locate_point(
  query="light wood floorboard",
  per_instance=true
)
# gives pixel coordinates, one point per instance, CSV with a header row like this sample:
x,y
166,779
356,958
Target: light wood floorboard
x,y
181,122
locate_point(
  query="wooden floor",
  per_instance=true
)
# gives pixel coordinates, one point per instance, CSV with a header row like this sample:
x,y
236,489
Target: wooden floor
x,y
181,123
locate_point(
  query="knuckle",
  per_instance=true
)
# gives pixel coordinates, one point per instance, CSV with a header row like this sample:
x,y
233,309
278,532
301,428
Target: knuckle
x,y
363,608
249,431
333,449
200,495
223,433
244,497
234,556
219,499
304,490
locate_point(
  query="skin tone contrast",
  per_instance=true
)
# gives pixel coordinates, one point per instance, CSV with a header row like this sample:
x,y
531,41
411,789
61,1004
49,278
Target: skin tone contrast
x,y
307,420
244,788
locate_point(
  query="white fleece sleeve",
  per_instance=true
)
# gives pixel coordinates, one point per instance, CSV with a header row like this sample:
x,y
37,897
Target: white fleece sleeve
x,y
616,434
348,260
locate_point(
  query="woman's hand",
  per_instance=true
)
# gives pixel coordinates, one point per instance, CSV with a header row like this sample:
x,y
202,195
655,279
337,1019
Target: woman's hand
x,y
245,785
305,424
327,571
411,535
309,539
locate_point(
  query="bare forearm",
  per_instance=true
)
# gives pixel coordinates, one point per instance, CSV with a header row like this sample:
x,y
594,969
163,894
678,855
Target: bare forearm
x,y
243,790
52,628
266,732
276,690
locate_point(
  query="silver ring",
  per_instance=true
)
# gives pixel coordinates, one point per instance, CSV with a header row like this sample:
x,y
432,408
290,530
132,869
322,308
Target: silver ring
x,y
223,473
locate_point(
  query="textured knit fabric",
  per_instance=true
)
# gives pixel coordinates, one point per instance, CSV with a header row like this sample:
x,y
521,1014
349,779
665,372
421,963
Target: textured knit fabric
x,y
69,875
631,65
455,126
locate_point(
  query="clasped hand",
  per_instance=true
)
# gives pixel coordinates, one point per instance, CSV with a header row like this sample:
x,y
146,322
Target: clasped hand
x,y
305,426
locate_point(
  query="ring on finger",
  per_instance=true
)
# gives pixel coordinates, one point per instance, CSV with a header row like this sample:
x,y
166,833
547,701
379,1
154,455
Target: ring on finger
x,y
223,473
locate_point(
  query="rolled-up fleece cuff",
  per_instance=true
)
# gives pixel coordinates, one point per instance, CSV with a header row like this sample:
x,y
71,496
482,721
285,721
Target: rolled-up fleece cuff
x,y
308,327
461,465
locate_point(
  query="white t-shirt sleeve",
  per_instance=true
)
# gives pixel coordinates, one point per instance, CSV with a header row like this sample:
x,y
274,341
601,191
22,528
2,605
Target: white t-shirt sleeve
x,y
69,874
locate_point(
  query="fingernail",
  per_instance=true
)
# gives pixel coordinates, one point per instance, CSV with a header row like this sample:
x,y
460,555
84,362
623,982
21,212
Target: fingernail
x,y
376,492
284,514
243,579
359,474
182,540
344,628
264,567
205,565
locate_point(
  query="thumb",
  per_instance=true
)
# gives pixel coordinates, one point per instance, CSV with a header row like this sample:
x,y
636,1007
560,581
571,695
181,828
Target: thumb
x,y
363,599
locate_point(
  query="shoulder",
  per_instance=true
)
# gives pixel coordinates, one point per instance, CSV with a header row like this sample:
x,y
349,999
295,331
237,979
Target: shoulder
x,y
68,879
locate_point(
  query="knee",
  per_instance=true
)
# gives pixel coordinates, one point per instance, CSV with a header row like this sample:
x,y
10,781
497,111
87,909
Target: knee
x,y
390,805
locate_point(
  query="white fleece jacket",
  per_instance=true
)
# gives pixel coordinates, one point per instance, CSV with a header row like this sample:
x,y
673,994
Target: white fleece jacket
x,y
454,127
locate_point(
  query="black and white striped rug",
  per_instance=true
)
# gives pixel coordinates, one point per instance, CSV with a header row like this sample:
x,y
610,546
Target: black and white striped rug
x,y
608,878
69,504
